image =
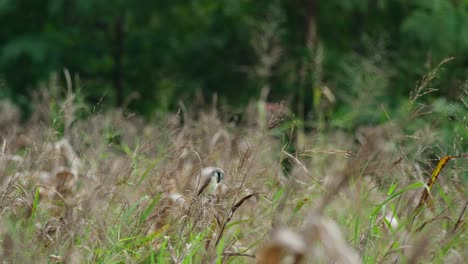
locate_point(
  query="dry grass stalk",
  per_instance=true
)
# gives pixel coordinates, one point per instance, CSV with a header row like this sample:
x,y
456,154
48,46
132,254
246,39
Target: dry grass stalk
x,y
460,222
430,183
105,198
318,228
422,88
283,242
231,214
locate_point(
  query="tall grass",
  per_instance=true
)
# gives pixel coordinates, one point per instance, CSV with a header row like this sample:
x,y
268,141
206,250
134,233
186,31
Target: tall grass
x,y
112,188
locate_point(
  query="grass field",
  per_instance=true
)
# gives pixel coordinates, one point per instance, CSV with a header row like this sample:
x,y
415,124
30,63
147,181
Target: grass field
x,y
101,188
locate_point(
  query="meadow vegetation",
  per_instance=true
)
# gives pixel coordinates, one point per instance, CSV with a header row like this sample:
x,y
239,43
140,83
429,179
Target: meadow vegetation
x,y
341,127
82,185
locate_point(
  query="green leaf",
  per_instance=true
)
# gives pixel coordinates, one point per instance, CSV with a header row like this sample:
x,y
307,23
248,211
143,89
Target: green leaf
x,y
415,185
149,209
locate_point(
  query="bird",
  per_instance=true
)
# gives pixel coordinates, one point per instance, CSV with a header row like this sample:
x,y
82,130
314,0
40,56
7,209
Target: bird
x,y
210,179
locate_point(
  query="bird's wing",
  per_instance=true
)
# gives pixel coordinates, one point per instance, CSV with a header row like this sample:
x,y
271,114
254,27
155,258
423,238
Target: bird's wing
x,y
205,182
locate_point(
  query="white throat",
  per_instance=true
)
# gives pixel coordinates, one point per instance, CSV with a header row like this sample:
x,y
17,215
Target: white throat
x,y
211,188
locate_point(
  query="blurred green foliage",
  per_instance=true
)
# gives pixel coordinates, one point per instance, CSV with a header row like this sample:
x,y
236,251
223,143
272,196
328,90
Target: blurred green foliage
x,y
149,55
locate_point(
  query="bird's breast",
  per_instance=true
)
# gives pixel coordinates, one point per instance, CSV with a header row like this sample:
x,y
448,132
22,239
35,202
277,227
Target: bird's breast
x,y
211,188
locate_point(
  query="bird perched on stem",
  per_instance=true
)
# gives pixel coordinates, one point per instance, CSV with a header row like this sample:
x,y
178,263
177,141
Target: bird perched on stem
x,y
209,181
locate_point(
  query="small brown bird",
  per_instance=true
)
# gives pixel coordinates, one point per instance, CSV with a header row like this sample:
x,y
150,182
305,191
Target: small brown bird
x,y
209,180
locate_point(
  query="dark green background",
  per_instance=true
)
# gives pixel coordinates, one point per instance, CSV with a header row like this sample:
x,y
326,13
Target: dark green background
x,y
166,51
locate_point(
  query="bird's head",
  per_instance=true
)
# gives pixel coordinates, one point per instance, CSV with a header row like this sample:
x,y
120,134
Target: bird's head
x,y
216,173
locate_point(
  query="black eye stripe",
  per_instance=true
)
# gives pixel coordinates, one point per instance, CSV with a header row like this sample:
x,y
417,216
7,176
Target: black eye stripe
x,y
218,176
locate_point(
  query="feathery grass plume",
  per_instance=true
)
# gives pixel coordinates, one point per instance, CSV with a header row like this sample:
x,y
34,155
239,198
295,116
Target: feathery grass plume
x,y
422,87
318,228
283,242
94,196
170,204
10,116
